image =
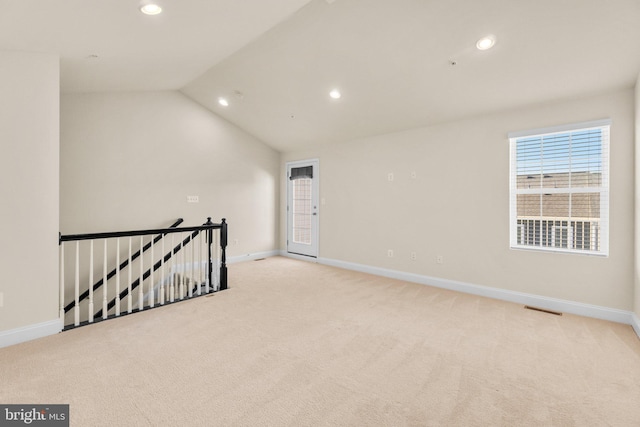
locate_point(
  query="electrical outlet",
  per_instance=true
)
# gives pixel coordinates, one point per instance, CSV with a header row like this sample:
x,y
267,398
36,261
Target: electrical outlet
x,y
414,256
390,253
439,259
390,176
236,242
414,175
1,299
192,199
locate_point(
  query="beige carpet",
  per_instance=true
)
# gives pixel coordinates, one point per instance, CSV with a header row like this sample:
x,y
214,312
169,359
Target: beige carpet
x,y
296,344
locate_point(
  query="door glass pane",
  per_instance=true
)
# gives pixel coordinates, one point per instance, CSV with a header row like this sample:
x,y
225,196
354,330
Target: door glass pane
x,y
302,210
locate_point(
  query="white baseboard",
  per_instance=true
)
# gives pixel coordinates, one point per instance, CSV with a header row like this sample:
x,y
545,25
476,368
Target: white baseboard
x,y
554,304
31,332
635,322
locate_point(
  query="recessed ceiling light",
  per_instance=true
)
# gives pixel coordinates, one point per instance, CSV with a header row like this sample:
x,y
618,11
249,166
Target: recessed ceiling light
x,y
486,43
335,94
151,9
223,102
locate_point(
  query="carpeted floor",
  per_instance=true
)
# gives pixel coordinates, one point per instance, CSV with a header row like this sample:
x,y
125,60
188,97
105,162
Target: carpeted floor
x,y
299,344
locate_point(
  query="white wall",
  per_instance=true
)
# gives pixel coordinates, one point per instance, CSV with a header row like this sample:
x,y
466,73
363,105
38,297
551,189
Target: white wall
x,y
637,201
29,168
458,206
129,160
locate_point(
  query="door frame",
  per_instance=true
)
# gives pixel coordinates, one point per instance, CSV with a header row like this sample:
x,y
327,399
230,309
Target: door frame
x,y
315,235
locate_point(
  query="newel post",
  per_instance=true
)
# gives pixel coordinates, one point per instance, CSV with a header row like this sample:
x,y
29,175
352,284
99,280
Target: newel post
x,y
223,261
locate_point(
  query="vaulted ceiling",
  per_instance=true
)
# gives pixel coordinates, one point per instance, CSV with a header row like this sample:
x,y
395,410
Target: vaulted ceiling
x,y
398,64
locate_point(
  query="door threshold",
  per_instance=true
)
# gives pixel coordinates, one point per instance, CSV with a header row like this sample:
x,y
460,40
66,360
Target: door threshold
x,y
303,256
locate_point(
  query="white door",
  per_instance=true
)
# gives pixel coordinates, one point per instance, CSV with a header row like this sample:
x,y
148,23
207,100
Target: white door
x,y
302,208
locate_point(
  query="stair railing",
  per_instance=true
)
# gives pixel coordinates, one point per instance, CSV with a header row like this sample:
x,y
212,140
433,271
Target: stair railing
x,y
147,274
120,267
207,269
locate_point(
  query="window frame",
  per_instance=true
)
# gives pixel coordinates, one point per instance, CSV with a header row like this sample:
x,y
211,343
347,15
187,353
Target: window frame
x,y
602,232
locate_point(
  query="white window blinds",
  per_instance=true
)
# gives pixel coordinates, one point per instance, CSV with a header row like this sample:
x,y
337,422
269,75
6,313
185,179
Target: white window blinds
x,y
559,188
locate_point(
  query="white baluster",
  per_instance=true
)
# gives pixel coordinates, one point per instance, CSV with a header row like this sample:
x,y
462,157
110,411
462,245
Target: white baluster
x,y
141,284
216,259
77,286
212,278
153,283
62,282
91,282
207,259
203,261
117,277
184,266
212,273
199,265
192,275
129,274
185,269
104,282
172,272
162,284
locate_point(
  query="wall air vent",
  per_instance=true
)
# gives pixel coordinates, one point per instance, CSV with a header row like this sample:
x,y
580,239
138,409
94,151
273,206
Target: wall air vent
x,y
557,313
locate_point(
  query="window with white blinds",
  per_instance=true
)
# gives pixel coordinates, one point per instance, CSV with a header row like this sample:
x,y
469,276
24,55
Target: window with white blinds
x,y
560,188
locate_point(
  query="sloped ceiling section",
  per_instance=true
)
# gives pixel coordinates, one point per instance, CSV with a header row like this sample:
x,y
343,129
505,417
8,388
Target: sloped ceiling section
x,y
110,46
411,63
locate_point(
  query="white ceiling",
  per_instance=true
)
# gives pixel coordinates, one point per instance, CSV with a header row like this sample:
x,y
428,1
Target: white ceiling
x,y
390,59
136,51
